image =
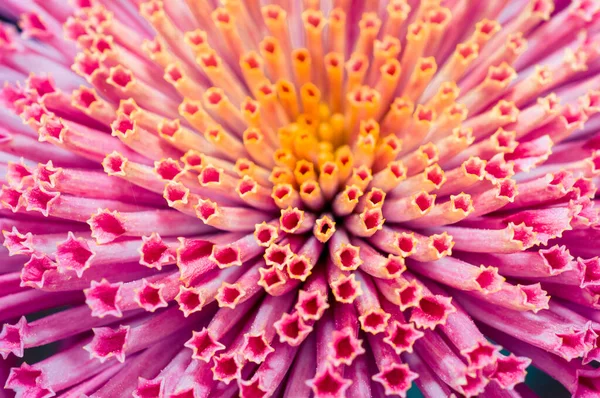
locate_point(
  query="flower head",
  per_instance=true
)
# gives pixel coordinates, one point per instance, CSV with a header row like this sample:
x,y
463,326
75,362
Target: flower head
x,y
330,198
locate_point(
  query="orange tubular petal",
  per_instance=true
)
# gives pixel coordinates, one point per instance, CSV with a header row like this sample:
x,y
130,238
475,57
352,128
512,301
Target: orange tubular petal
x,y
224,142
217,103
275,19
324,228
288,97
220,75
275,59
369,26
252,69
285,195
420,125
254,143
416,40
397,11
314,23
301,64
337,30
345,201
183,83
227,27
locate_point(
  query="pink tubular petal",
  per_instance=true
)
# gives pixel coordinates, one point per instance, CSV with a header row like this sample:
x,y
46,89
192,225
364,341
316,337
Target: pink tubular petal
x,y
35,270
149,388
17,243
591,269
373,319
106,226
103,298
154,253
396,379
150,296
189,300
329,384
432,311
252,388
480,355
28,378
428,382
74,254
292,329
227,367
401,337
11,338
401,292
38,198
109,343
203,345
345,347
304,368
453,272
510,370
192,258
256,348
311,305
345,288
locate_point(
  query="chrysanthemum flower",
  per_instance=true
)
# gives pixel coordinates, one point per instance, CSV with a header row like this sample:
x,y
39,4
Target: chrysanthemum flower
x,y
340,198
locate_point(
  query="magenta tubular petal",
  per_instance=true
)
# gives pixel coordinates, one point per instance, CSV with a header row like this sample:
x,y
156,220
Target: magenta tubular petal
x,y
540,264
60,372
95,382
346,346
570,374
133,339
377,265
169,375
205,343
465,336
261,331
107,226
79,254
373,319
51,328
586,297
145,364
459,274
51,203
428,382
312,298
439,356
20,145
270,374
39,226
53,280
545,330
31,301
358,372
407,243
18,243
302,369
11,283
196,380
511,239
394,376
79,183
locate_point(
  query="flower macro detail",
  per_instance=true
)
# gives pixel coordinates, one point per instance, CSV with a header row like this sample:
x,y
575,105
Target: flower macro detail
x,y
296,198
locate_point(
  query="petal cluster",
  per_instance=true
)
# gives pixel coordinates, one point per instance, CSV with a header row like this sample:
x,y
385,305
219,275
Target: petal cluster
x,y
298,198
